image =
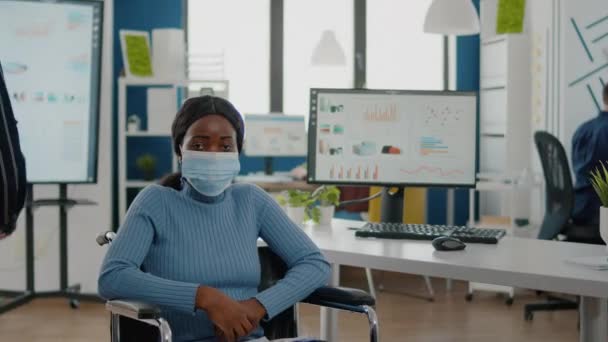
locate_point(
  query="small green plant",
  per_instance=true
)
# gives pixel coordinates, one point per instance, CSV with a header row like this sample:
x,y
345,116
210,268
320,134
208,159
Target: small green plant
x,y
329,196
297,198
147,164
599,180
313,213
301,199
281,199
324,196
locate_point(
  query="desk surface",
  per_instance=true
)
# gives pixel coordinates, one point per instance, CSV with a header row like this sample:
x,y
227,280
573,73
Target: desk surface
x,y
524,263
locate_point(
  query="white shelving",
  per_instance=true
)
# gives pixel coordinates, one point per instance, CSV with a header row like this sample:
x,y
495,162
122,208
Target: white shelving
x,y
505,121
124,137
505,115
123,182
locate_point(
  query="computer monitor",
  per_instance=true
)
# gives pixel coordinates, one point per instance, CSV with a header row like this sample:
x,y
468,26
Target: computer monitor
x,y
392,137
274,135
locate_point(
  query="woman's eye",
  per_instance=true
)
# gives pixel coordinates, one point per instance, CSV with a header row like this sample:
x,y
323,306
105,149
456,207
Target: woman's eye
x,y
227,148
198,146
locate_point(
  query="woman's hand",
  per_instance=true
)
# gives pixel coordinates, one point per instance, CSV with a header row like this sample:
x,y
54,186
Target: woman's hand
x,y
228,315
254,310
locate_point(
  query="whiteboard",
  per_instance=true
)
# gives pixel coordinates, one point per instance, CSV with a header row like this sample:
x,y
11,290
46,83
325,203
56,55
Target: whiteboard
x,y
275,135
50,54
381,137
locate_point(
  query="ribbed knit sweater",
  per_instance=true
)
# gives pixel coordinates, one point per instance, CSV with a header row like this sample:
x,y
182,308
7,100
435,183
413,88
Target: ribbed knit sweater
x,y
171,242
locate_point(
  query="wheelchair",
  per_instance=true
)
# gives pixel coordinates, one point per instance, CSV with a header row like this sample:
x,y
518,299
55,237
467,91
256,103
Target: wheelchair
x,y
135,321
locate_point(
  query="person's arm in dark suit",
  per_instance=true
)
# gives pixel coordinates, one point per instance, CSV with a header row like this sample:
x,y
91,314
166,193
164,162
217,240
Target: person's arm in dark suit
x,y
12,165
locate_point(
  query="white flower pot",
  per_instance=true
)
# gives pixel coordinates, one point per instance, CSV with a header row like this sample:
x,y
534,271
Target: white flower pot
x,y
604,224
296,214
327,213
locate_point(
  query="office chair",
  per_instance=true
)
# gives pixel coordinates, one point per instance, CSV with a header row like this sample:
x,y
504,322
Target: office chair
x,y
136,321
559,203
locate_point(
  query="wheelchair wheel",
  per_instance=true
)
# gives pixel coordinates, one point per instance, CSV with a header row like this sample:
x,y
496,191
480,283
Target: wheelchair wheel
x,y
74,303
509,301
468,297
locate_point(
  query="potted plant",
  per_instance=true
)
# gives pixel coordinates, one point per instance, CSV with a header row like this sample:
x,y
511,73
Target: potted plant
x,y
328,197
298,204
599,180
147,165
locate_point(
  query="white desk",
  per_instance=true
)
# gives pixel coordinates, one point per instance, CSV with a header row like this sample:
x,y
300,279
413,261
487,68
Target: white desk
x,y
524,263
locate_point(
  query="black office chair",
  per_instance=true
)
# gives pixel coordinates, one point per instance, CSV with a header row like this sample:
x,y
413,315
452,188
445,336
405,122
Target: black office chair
x,y
134,321
559,203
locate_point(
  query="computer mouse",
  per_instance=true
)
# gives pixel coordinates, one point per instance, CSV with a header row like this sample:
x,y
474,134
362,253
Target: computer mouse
x,y
447,243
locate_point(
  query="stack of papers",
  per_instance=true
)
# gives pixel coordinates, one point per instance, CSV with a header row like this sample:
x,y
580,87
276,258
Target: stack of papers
x,y
594,262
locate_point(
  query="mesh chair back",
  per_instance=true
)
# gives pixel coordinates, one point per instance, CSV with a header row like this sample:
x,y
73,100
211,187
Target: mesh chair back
x,y
559,191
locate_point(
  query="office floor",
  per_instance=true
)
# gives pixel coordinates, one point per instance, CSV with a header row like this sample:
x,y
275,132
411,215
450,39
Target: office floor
x,y
402,318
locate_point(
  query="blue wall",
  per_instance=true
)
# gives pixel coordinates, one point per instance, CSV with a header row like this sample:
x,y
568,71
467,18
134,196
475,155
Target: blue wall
x,y
467,79
139,15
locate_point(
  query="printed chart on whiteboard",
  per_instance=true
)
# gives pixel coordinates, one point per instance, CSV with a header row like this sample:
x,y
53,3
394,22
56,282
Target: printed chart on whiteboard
x,y
402,138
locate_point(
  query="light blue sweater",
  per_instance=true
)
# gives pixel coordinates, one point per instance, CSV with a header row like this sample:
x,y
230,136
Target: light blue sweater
x,y
173,241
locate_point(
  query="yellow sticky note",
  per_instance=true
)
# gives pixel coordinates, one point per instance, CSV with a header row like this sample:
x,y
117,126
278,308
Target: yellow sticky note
x,y
138,55
510,16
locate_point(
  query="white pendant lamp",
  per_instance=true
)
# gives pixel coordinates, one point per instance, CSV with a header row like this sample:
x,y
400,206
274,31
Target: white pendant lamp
x,y
328,51
452,17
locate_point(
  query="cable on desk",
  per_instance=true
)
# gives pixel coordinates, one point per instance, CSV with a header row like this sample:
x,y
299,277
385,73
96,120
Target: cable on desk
x,y
360,200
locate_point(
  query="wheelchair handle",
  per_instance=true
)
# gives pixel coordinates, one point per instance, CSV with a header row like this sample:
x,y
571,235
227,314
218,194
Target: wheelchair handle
x,y
105,238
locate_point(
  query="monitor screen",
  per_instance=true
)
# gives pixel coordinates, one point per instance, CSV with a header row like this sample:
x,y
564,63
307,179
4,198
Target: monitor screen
x,y
275,135
50,53
394,138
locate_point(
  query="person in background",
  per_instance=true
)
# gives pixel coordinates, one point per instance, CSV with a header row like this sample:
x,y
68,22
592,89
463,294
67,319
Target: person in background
x,y
12,165
589,147
189,245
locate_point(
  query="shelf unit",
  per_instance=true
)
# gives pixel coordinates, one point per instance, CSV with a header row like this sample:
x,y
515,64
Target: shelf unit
x,y
504,105
505,121
125,184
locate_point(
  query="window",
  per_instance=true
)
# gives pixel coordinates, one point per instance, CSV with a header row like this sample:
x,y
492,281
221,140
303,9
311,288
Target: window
x,y
230,39
399,54
305,23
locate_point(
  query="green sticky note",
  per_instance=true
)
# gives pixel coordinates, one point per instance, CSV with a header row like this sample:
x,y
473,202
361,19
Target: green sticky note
x,y
138,55
510,16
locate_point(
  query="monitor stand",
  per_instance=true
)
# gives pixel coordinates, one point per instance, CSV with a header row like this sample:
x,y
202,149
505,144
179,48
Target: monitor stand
x,y
65,290
268,165
392,205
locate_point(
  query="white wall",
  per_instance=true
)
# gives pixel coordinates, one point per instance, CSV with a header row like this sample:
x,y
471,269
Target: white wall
x,y
84,223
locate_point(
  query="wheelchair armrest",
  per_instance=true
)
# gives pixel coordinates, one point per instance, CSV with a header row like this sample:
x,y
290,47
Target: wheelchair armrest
x,y
340,298
134,310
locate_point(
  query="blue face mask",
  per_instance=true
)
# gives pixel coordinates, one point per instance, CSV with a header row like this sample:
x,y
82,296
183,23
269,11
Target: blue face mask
x,y
210,173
